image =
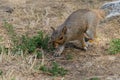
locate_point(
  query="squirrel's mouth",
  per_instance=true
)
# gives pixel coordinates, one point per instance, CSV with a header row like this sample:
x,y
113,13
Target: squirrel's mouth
x,y
56,44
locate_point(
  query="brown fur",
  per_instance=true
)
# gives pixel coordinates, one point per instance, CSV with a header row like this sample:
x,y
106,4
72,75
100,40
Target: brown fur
x,y
80,24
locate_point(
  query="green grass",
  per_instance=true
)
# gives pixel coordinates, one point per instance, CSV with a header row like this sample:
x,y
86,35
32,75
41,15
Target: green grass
x,y
25,43
114,46
0,49
10,31
13,79
69,57
55,70
29,45
1,72
38,54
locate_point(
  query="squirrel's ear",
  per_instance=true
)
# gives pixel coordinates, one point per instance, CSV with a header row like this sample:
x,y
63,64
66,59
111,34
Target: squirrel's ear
x,y
52,29
64,30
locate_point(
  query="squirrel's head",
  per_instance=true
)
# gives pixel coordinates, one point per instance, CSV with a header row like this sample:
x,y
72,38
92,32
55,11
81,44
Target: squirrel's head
x,y
58,37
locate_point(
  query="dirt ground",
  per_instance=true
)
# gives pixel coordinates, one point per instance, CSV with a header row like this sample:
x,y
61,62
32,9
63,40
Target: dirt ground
x,y
33,15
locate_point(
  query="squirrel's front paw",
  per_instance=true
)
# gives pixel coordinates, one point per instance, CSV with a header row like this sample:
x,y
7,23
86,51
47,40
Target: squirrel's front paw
x,y
58,51
57,54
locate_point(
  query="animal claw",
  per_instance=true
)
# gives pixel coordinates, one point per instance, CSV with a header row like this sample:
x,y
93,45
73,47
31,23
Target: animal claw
x,y
56,54
85,48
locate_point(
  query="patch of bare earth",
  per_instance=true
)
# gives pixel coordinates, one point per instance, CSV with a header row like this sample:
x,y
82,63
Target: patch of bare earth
x,y
33,15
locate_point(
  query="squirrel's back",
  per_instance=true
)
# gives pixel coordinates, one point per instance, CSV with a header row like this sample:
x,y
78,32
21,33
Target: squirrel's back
x,y
79,21
82,16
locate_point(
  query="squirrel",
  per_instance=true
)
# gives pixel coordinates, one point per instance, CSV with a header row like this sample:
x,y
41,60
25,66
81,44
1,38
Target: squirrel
x,y
80,25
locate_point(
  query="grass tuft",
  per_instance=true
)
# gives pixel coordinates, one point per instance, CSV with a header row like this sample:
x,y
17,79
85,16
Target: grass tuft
x,y
1,72
56,70
114,46
25,43
69,56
